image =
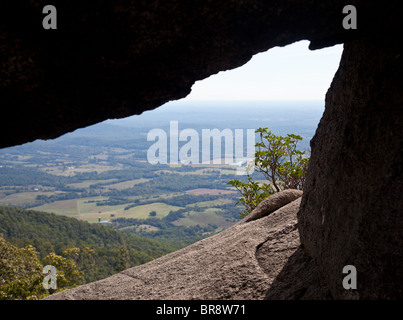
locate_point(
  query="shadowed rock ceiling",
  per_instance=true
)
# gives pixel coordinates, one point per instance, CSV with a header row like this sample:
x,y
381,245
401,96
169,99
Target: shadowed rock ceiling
x,y
113,59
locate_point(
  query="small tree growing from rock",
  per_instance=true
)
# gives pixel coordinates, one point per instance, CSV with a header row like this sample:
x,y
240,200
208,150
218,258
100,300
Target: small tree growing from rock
x,y
281,163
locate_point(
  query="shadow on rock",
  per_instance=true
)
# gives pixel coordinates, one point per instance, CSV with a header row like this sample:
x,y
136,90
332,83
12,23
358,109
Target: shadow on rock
x,y
299,279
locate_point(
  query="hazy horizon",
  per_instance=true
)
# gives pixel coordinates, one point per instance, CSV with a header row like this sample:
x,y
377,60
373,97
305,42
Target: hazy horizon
x,y
281,117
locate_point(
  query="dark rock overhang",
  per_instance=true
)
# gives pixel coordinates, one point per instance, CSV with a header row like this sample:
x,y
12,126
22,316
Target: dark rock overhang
x,y
113,59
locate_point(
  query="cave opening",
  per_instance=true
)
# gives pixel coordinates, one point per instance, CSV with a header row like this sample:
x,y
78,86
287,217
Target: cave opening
x,y
282,89
101,174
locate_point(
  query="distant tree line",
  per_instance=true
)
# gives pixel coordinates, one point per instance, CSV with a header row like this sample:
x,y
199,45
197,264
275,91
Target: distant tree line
x,y
21,176
178,201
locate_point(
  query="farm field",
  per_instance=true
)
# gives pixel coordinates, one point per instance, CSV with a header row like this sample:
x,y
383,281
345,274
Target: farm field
x,y
19,198
209,191
87,209
72,208
126,184
111,184
206,217
67,171
92,179
88,183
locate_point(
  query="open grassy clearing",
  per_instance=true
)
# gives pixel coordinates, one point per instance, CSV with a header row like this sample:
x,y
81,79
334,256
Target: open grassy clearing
x,y
209,191
22,198
126,184
129,155
100,156
228,171
4,192
87,209
141,227
24,157
143,211
63,207
87,183
154,198
139,212
62,170
208,216
202,171
77,208
212,203
213,166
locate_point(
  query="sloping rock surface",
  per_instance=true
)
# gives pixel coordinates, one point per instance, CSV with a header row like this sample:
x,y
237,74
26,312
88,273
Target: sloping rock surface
x,y
272,203
229,265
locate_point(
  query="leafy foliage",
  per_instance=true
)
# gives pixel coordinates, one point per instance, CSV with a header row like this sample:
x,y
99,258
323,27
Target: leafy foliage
x,y
51,233
281,163
279,160
252,193
21,271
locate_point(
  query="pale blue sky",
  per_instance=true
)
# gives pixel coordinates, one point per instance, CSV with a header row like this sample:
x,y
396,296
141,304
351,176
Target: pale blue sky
x,y
283,73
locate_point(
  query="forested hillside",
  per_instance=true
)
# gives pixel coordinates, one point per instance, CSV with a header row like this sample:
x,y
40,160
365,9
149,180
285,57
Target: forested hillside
x,y
114,250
